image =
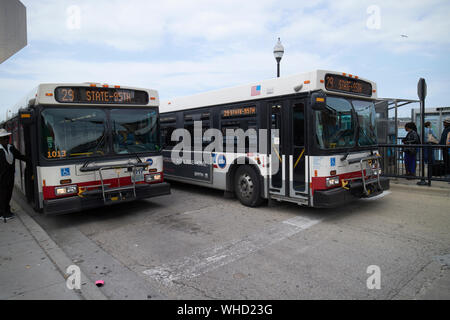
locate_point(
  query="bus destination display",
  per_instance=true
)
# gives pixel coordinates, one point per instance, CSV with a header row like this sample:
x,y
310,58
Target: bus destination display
x,y
339,83
100,95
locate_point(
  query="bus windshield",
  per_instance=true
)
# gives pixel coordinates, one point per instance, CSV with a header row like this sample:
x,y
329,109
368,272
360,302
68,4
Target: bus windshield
x,y
367,122
84,132
71,133
337,125
135,130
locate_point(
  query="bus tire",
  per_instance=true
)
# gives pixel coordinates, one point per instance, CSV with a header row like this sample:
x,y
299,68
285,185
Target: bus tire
x,y
247,186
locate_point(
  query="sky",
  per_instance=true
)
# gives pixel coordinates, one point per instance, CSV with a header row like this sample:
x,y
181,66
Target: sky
x,y
183,47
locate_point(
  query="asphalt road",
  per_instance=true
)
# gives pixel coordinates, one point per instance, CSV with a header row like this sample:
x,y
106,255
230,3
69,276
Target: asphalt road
x,y
195,244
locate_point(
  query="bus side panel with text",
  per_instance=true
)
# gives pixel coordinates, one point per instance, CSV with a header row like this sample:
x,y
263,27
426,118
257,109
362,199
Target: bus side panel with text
x,y
321,129
89,146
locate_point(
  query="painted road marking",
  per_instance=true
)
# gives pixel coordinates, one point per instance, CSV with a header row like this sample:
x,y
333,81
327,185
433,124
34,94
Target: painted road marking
x,y
210,259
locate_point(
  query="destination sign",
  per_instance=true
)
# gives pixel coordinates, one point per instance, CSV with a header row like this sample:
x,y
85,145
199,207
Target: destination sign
x,y
100,95
236,112
334,82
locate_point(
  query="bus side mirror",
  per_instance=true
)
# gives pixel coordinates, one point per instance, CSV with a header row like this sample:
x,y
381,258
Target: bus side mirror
x,y
318,101
26,117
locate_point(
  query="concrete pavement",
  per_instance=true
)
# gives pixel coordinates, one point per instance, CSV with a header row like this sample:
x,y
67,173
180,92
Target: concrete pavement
x,y
32,266
195,244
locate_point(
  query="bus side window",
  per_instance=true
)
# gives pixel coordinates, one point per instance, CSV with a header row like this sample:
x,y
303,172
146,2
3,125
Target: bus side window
x,y
168,125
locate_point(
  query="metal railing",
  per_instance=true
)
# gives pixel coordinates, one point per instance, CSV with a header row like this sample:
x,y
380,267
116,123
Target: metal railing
x,y
399,159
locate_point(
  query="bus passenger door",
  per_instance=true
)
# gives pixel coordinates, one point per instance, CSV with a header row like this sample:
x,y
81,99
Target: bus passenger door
x,y
277,175
297,172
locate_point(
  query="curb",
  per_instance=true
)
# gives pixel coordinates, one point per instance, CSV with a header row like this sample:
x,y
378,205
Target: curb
x,y
88,290
421,189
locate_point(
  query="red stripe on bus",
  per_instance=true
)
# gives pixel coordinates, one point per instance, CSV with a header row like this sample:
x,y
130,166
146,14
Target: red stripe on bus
x,y
320,183
49,191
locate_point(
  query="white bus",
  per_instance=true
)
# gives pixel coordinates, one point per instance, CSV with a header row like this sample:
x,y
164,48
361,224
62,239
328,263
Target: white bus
x,y
321,129
90,145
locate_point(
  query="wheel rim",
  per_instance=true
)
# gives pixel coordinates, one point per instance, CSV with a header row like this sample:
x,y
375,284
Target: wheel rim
x,y
245,185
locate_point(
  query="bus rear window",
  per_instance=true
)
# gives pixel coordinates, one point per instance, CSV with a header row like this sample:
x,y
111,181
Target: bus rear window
x,y
72,133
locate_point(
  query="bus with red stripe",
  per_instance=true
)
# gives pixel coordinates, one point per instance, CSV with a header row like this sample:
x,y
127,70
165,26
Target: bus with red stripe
x,y
315,142
90,145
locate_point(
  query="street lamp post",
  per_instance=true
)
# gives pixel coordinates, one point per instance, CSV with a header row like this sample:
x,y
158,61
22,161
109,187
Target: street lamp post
x,y
278,52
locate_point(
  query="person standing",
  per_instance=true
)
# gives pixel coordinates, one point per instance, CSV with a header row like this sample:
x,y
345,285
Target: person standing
x,y
430,139
445,136
8,155
410,153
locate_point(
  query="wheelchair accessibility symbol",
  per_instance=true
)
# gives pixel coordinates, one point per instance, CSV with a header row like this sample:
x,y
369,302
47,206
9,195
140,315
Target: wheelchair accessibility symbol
x,y
65,172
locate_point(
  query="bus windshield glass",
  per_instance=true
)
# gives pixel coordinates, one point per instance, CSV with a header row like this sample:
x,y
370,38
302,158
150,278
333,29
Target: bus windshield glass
x,y
135,130
71,133
337,124
367,122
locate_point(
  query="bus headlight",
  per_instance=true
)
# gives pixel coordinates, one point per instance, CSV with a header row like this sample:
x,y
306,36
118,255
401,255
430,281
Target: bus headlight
x,y
332,181
153,177
62,191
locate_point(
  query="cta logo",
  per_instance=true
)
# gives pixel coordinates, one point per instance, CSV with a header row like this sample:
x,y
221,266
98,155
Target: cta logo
x,y
222,161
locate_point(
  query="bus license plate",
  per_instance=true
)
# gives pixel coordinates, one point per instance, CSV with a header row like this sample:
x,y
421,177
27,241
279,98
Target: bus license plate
x,y
139,175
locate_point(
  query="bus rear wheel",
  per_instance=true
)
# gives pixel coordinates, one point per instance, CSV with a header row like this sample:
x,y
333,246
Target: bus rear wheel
x,y
247,186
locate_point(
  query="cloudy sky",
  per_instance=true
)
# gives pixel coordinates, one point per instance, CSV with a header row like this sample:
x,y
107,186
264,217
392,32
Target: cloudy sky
x,y
182,47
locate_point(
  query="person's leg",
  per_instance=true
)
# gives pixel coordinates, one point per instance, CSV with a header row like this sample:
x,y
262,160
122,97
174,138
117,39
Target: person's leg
x,y
407,163
412,167
9,186
3,207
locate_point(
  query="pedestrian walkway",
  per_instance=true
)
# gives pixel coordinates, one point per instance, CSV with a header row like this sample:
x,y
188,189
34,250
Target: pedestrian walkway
x,y
31,265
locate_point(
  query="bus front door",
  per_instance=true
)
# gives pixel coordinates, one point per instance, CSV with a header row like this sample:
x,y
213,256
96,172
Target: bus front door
x,y
287,178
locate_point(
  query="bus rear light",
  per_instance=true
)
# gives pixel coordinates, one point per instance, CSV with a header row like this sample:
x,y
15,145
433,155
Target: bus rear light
x,y
356,77
117,87
49,94
333,173
374,91
63,191
66,181
152,98
332,182
322,81
93,85
307,82
105,86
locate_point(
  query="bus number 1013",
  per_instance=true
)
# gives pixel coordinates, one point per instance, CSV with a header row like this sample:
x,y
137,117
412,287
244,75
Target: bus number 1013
x,y
56,154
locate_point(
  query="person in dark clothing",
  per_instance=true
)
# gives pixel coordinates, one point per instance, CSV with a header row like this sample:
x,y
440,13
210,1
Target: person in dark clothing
x,y
444,141
8,155
410,153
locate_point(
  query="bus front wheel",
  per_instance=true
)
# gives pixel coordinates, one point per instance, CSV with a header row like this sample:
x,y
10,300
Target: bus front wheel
x,y
247,186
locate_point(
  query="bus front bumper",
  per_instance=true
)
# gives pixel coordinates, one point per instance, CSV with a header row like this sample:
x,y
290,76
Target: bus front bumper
x,y
339,196
75,204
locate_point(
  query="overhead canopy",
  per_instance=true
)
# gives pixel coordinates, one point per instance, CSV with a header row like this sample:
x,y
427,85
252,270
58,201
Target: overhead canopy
x,y
13,28
394,103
